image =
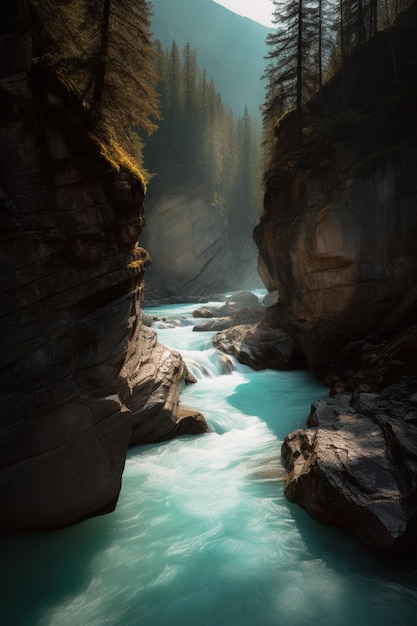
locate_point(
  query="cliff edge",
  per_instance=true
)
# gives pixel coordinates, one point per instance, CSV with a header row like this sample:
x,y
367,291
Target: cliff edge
x,y
338,230
81,378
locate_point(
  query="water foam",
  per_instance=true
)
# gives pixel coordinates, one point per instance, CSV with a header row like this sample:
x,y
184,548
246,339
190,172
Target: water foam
x,y
202,534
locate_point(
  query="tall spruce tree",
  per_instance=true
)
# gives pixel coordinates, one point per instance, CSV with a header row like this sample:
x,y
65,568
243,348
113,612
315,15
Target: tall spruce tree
x,y
290,56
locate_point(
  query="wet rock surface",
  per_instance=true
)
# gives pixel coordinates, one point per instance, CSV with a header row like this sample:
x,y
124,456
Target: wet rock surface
x,y
260,348
356,466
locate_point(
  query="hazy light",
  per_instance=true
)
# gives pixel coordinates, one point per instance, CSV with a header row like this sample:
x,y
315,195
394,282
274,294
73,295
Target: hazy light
x,y
257,10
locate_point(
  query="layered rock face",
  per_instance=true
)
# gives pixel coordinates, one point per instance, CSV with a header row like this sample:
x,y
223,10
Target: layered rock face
x,y
81,378
195,254
191,252
339,246
337,235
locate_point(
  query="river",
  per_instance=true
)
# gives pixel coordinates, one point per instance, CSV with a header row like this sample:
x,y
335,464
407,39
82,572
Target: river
x,y
202,534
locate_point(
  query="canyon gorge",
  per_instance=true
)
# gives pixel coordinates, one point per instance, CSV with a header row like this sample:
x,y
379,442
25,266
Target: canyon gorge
x,y
83,378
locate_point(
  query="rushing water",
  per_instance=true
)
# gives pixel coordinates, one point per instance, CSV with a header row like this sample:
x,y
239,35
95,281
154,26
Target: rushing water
x,y
202,534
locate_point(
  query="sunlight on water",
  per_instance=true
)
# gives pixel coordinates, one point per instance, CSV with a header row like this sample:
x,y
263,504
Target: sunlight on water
x,y
202,535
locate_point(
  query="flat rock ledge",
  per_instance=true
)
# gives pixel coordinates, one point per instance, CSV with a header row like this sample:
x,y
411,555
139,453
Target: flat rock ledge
x,y
358,470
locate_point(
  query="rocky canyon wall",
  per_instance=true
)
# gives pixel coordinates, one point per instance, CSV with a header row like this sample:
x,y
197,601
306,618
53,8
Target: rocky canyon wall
x,y
80,378
339,247
337,236
337,239
192,254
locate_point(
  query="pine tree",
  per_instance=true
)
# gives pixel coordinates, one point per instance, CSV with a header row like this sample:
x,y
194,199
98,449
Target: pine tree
x,y
102,51
191,127
198,144
290,56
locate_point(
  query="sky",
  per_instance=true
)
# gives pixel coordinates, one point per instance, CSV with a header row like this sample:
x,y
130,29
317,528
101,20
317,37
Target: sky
x,y
258,10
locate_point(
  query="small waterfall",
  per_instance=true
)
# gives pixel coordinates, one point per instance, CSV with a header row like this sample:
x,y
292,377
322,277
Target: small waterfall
x,y
209,363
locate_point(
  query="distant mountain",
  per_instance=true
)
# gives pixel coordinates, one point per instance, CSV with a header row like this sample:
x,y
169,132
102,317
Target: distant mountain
x,y
230,47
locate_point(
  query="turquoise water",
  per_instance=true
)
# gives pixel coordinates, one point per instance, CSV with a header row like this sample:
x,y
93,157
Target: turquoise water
x,y
202,534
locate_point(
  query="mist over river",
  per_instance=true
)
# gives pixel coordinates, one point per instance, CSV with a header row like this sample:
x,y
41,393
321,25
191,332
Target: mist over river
x,y
202,534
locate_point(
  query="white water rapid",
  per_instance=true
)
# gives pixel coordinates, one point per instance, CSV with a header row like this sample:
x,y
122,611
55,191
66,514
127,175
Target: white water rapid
x,y
202,534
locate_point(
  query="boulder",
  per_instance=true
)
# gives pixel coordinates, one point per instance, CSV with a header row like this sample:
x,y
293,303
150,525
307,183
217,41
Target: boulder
x,y
190,422
271,298
245,315
214,324
244,297
356,472
260,348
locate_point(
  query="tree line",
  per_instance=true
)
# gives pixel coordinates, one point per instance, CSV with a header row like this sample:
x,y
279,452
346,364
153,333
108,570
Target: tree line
x,y
199,145
311,42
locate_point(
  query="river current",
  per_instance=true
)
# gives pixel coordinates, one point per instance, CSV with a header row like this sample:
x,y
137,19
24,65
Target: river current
x,y
202,534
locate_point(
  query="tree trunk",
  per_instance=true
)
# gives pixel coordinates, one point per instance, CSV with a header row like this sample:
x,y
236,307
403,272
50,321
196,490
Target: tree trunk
x,y
101,64
299,62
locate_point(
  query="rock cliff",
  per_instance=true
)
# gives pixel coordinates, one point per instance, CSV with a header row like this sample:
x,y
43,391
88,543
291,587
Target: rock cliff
x,y
80,378
337,235
337,239
190,252
194,253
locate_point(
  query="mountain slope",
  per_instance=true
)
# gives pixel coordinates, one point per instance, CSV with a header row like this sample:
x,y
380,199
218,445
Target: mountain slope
x,y
230,47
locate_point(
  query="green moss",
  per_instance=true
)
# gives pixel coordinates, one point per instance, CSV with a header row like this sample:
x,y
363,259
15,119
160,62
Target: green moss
x,y
140,258
118,158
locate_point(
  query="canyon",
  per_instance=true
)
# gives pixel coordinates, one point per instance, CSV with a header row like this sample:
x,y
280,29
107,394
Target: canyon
x,y
81,378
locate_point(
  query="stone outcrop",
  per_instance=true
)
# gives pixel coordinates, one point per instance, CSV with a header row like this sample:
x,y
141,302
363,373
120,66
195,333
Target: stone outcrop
x,y
79,373
258,347
337,240
244,332
337,235
356,466
153,375
346,264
